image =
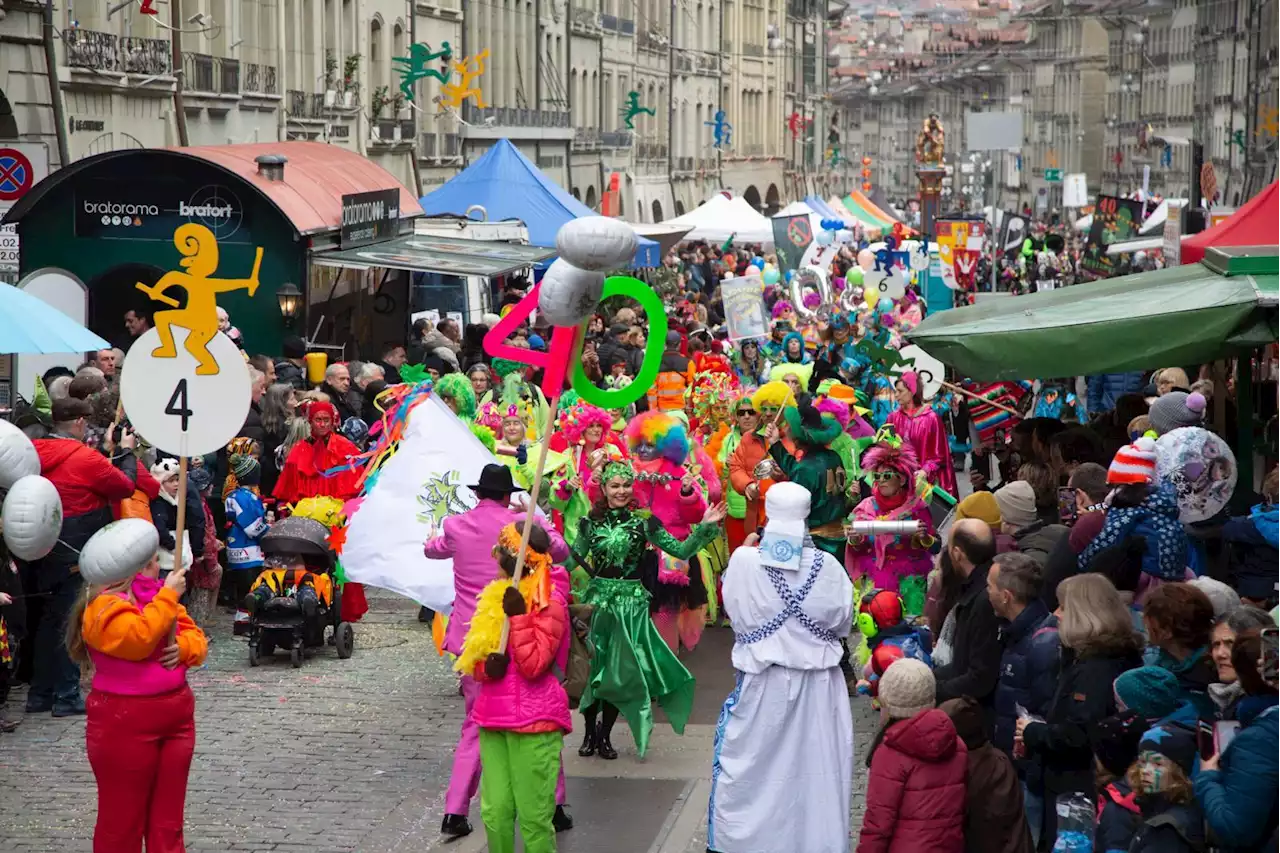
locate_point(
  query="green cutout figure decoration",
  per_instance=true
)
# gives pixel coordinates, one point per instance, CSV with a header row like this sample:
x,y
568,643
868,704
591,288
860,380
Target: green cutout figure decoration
x,y
414,67
631,108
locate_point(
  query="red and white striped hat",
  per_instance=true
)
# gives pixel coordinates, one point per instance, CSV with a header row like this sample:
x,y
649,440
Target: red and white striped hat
x,y
1134,463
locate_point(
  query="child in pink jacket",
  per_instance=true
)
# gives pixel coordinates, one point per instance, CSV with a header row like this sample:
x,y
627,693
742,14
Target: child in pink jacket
x,y
522,710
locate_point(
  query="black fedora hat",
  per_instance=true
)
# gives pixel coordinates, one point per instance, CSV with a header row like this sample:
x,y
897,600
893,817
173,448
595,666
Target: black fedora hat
x,y
495,478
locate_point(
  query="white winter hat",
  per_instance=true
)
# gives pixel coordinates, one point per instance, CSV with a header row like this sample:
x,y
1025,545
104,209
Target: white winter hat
x,y
118,551
906,688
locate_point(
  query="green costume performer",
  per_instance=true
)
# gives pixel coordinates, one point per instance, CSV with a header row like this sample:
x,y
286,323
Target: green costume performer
x,y
632,665
820,470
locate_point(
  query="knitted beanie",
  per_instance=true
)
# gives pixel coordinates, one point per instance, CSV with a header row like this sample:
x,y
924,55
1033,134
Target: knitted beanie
x,y
980,505
1177,409
906,689
1151,691
1134,463
1174,742
1223,598
244,467
1017,502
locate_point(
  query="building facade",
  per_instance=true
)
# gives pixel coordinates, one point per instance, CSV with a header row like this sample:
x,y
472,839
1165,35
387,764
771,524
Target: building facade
x,y
615,100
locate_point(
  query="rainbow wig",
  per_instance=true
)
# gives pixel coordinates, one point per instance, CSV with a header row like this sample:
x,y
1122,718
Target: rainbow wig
x,y
575,420
888,456
773,394
838,409
457,387
663,432
781,307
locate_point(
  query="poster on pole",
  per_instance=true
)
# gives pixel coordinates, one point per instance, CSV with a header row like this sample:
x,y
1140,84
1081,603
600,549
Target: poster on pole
x,y
1114,220
744,311
1172,246
1075,190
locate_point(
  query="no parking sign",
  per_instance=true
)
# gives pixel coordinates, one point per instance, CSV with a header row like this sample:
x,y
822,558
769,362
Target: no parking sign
x,y
22,166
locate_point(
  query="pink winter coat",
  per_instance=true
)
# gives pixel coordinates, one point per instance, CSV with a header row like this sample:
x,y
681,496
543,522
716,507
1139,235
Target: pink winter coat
x,y
677,512
916,793
530,693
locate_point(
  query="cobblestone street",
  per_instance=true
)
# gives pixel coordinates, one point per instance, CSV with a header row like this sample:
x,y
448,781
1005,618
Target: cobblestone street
x,y
343,756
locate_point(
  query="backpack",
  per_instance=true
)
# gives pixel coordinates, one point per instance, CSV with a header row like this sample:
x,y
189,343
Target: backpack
x,y
577,671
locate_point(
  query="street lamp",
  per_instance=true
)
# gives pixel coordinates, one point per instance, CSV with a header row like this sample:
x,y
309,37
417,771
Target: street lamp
x,y
290,300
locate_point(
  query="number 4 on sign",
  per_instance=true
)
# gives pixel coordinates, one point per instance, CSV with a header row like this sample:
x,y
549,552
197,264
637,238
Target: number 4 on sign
x,y
178,404
148,8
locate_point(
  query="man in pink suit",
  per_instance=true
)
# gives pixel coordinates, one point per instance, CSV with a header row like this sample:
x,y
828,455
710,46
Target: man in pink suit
x,y
468,539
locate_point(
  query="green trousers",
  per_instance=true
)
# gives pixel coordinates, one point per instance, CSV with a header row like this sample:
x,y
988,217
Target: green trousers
x,y
518,779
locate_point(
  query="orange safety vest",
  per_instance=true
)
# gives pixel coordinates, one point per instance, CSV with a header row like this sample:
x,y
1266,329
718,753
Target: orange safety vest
x,y
667,393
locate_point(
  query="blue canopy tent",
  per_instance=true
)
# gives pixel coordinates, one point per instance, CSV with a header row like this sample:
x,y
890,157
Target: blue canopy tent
x,y
509,186
824,210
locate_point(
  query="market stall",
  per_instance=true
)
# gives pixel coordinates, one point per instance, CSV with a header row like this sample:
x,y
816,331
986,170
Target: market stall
x,y
1254,224
725,217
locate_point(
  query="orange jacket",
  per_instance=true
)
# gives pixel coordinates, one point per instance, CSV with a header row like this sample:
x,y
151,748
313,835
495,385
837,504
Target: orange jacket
x,y
116,627
742,473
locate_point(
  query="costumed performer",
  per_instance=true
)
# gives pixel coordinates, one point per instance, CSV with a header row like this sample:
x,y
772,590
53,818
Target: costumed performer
x,y
509,423
816,467
140,731
467,539
667,485
898,562
746,421
746,475
921,427
632,666
772,348
711,397
587,439
521,709
531,396
782,776
304,476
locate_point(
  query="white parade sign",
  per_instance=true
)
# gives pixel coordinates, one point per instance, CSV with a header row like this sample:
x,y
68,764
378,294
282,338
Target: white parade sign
x,y
177,410
930,371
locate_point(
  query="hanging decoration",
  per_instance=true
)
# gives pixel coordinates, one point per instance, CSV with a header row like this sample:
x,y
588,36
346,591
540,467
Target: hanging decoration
x,y
866,174
797,123
833,156
1237,138
721,130
1268,122
414,67
1166,157
148,7
631,108
468,71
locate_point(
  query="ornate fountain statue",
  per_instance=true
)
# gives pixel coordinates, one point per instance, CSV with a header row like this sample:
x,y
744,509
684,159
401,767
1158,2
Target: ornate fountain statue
x,y
930,142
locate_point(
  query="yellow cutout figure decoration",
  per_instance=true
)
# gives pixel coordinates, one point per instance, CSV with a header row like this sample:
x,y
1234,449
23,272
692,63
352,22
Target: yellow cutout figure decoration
x,y
453,94
200,317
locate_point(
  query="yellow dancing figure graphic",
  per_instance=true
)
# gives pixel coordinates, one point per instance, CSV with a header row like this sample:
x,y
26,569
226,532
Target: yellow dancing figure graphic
x,y
453,94
200,317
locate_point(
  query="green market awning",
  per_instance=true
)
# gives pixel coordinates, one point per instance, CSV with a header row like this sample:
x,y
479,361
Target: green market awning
x,y
1180,315
423,253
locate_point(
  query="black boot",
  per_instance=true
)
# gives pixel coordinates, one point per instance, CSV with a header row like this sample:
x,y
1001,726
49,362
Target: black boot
x,y
561,820
588,747
604,748
455,825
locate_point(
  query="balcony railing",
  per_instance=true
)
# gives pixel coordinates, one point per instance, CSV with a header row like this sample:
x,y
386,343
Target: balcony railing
x,y
297,103
551,161
513,117
452,146
146,56
616,139
586,139
198,70
92,49
753,49
709,62
229,76
584,19
684,62
260,79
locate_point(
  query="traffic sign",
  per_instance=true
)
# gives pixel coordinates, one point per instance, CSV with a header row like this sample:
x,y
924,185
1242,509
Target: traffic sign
x,y
16,174
1053,176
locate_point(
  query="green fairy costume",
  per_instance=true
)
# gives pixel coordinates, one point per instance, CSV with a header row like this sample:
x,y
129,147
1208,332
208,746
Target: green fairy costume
x,y
632,666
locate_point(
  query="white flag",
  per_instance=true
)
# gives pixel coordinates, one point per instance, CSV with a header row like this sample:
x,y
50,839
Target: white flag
x,y
424,483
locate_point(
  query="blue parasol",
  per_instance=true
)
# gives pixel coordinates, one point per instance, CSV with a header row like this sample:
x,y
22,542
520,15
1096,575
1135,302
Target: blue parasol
x,y
30,326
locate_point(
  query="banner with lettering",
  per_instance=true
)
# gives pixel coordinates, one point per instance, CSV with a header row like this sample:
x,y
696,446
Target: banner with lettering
x,y
1114,220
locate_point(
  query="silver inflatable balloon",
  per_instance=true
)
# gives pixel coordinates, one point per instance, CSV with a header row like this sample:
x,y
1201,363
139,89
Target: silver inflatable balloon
x,y
811,278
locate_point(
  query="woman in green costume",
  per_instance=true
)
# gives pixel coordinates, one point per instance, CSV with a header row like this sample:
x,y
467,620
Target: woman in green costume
x,y
632,665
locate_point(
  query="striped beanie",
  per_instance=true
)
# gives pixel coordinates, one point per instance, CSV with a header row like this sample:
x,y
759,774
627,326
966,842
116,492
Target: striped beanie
x,y
1134,463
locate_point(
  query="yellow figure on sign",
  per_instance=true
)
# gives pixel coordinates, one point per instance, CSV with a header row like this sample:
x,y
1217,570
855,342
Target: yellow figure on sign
x,y
453,94
200,317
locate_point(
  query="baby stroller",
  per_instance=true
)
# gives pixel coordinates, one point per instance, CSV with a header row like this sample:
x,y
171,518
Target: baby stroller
x,y
290,607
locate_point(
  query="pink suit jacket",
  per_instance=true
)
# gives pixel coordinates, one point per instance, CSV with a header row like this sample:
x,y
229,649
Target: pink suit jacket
x,y
468,538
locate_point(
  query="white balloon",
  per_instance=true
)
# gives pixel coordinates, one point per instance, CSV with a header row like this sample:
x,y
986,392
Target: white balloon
x,y
119,550
597,243
894,285
32,517
569,294
18,456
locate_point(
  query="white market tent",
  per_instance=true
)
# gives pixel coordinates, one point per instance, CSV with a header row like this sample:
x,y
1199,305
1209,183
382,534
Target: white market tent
x,y
723,218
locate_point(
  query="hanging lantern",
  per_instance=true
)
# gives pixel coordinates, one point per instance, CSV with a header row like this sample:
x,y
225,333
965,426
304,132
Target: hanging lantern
x,y
866,173
866,161
866,186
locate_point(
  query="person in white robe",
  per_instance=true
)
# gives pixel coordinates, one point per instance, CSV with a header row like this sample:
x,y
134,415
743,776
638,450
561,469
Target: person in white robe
x,y
782,777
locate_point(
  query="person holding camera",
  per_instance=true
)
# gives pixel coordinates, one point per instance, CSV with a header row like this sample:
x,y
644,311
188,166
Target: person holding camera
x,y
88,484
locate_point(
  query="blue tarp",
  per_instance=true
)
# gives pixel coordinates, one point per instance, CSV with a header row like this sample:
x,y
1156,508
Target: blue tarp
x,y
824,210
508,186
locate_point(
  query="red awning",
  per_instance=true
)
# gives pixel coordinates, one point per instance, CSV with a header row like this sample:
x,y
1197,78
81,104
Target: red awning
x,y
1254,224
315,179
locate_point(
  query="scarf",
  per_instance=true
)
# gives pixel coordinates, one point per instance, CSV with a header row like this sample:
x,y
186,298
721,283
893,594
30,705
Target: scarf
x,y
1267,518
1166,540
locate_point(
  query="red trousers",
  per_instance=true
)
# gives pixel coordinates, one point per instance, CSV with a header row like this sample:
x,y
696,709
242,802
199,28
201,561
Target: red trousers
x,y
735,530
140,749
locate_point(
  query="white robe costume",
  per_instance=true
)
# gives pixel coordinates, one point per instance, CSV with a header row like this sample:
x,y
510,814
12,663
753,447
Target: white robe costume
x,y
782,776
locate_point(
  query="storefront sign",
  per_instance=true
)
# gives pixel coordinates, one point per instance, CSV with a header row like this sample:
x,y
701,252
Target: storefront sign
x,y
86,125
1173,237
152,210
369,217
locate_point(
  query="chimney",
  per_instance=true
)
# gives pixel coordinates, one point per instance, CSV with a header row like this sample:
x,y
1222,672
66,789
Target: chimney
x,y
271,166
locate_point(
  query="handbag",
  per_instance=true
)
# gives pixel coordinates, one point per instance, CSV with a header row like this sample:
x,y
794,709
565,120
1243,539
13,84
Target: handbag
x,y
577,671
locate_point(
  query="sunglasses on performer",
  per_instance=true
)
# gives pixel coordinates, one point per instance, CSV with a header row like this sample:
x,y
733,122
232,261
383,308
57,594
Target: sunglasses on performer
x,y
883,476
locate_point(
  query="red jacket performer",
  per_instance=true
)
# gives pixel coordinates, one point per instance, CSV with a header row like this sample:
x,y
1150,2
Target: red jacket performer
x,y
303,476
